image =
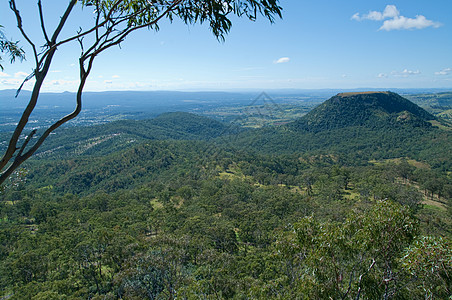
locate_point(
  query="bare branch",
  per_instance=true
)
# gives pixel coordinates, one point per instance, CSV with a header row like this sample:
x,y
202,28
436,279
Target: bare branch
x,y
361,278
40,74
97,20
30,76
94,28
27,140
63,21
41,17
12,5
21,158
118,38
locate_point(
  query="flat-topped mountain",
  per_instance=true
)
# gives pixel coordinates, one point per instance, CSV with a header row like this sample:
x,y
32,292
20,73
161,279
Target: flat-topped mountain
x,y
370,109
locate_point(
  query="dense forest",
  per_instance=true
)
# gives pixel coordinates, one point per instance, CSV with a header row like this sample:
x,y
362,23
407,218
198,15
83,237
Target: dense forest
x,y
351,201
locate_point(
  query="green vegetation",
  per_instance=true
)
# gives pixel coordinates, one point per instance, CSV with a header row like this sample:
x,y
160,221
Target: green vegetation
x,y
257,116
12,49
439,104
349,212
372,110
432,101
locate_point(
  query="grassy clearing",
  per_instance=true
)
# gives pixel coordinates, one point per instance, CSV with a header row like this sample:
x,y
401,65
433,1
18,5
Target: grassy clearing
x,y
156,204
428,203
413,162
442,126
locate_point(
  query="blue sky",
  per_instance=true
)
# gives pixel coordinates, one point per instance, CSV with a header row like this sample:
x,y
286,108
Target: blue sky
x,y
318,44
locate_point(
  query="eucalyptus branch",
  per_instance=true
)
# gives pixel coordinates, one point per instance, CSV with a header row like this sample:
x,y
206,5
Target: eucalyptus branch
x,y
30,76
118,38
83,77
352,276
12,5
108,18
63,20
41,18
361,278
40,74
97,19
75,37
27,140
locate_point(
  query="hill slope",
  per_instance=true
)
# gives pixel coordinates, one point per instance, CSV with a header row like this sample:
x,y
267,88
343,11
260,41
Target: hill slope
x,y
369,109
103,139
358,126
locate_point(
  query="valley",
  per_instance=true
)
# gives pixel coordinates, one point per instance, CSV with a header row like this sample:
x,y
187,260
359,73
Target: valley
x,y
285,197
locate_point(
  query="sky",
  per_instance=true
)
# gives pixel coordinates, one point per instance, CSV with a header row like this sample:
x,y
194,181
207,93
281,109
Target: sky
x,y
318,44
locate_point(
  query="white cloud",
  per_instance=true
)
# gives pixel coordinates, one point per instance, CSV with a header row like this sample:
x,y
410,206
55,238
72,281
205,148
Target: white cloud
x,y
282,60
406,73
20,75
390,11
62,82
394,21
409,72
399,23
2,74
11,82
445,71
115,76
356,17
382,75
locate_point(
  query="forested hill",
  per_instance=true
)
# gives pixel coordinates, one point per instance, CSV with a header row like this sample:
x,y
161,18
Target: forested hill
x,y
118,135
369,109
190,124
360,127
180,206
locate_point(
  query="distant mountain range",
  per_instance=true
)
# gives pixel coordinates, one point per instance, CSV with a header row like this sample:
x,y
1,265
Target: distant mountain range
x,y
126,99
177,99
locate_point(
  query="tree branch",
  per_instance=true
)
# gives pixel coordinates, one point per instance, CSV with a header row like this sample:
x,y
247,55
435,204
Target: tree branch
x,y
94,28
63,21
12,5
40,76
21,158
118,38
41,17
361,278
27,140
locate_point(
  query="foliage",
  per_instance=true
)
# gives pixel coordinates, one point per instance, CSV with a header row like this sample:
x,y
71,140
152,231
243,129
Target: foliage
x,y
350,259
189,220
11,48
430,258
